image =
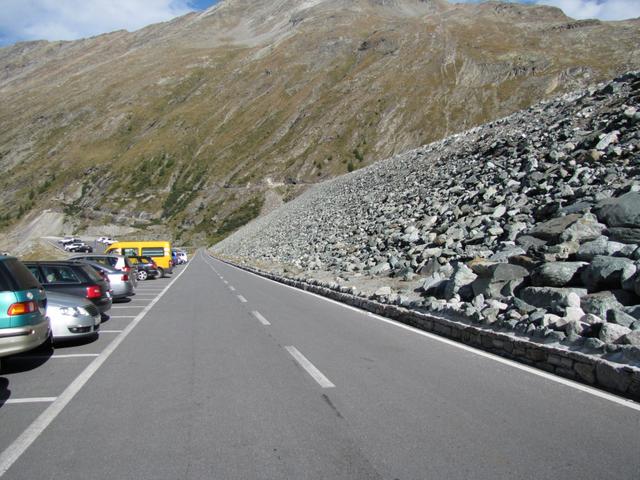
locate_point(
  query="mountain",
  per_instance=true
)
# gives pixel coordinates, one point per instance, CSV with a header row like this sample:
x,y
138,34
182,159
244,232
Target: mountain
x,y
192,127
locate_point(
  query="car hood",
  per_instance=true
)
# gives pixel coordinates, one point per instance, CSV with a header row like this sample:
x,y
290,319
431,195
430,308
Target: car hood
x,y
63,300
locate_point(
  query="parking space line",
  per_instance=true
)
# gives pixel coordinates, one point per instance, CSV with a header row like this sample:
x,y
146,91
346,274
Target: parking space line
x,y
15,401
242,299
122,316
262,320
110,331
75,355
14,451
310,368
128,306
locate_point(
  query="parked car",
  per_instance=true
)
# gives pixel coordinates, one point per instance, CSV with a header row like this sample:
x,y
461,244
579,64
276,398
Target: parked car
x,y
80,248
119,262
23,301
72,317
122,283
106,240
182,256
160,251
145,266
74,278
68,240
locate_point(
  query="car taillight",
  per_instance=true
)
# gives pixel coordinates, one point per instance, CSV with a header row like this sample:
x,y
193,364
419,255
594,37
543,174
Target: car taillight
x,y
94,291
171,263
153,265
126,269
125,278
21,308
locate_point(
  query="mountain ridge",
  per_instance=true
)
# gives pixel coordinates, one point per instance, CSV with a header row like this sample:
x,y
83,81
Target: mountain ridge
x,y
185,128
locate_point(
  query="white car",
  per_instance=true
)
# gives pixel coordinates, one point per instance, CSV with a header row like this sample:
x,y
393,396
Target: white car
x,y
72,316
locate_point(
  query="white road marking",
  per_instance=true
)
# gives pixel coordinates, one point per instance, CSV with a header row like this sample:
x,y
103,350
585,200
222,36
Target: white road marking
x,y
76,355
14,401
128,306
33,431
226,283
122,316
242,299
110,331
262,320
233,289
317,375
534,371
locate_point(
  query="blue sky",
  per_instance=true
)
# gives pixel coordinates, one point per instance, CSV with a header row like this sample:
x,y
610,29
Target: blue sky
x,y
22,20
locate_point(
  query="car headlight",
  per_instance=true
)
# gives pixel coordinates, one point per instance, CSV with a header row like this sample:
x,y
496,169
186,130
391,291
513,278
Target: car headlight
x,y
70,311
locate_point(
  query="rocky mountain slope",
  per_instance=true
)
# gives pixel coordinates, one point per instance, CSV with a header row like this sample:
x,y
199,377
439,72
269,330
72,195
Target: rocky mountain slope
x,y
194,126
528,224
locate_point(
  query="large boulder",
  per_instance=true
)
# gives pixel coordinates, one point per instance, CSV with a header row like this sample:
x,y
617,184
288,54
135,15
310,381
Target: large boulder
x,y
557,274
600,246
610,332
584,229
551,230
622,211
608,273
601,303
460,282
498,280
624,234
551,297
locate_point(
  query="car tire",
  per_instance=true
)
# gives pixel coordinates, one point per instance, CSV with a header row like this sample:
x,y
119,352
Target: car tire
x,y
160,272
142,275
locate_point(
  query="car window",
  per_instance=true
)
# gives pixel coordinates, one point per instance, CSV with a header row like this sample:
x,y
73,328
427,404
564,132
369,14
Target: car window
x,y
35,271
130,251
59,274
14,275
91,273
153,251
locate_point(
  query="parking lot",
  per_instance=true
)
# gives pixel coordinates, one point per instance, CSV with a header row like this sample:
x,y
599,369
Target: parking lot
x,y
32,381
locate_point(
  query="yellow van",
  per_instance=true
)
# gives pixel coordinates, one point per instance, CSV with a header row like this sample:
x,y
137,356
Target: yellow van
x,y
160,251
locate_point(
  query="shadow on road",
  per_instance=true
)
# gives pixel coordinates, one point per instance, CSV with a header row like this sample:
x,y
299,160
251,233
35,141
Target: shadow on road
x,y
5,393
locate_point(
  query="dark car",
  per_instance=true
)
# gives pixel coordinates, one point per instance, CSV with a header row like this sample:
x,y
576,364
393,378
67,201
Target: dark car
x,y
82,248
146,267
73,278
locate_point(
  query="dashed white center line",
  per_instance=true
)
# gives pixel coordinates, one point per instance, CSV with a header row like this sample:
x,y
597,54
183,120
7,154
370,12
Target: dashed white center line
x,y
242,299
317,375
262,320
226,283
233,289
14,401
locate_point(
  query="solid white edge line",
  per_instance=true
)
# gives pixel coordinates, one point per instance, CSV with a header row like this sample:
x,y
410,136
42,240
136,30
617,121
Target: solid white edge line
x,y
16,401
525,368
13,452
310,368
260,318
242,299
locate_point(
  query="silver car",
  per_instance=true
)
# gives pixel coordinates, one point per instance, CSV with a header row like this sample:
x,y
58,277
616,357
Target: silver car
x,y
119,262
72,316
122,283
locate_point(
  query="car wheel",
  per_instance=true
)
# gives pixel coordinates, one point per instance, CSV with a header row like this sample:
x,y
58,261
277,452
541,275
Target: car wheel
x,y
142,275
161,272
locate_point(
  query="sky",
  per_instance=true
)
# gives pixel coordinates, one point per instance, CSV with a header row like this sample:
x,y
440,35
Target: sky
x,y
22,20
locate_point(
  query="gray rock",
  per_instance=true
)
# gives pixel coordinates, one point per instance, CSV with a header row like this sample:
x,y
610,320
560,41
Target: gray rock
x,y
619,317
593,345
557,274
600,303
600,246
462,277
610,332
529,242
505,254
624,234
498,280
553,229
584,229
623,211
633,310
607,273
551,297
631,338
576,327
382,268
383,291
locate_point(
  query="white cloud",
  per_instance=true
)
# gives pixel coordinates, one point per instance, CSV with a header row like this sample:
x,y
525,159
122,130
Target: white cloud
x,y
579,9
72,19
602,9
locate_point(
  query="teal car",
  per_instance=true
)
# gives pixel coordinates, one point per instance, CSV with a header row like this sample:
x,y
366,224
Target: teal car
x,y
23,302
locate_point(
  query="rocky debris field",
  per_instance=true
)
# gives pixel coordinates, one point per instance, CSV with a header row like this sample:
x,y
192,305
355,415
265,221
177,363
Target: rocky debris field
x,y
529,224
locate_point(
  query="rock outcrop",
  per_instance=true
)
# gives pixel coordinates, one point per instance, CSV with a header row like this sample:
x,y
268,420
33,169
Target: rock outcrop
x,y
529,224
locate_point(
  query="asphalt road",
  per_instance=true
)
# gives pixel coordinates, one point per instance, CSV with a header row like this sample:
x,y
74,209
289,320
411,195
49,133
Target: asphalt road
x,y
225,375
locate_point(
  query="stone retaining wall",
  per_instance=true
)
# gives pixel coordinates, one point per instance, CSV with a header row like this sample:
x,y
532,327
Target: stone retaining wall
x,y
619,379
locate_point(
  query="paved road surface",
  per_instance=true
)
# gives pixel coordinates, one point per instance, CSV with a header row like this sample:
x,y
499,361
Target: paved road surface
x,y
230,376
